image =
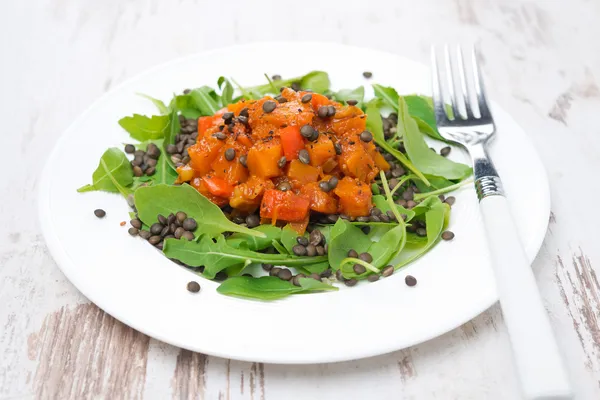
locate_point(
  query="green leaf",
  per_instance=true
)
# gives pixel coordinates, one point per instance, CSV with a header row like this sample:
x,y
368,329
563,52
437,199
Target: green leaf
x,y
162,108
164,199
317,81
421,109
114,174
226,91
288,238
388,95
381,203
344,95
216,256
269,287
253,242
387,246
419,152
279,247
344,237
375,125
436,218
142,128
205,99
174,129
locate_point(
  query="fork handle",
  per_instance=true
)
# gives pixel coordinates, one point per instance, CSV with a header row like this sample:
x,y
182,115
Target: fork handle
x,y
536,354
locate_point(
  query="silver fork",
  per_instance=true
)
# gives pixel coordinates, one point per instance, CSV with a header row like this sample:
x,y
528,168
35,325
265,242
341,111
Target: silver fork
x,y
536,355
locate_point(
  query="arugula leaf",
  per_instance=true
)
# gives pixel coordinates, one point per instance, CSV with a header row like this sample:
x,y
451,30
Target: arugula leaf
x,y
388,95
436,218
216,256
142,128
420,108
226,91
375,125
317,81
206,100
114,174
419,152
272,233
269,287
164,199
344,237
186,105
279,247
357,94
162,108
381,203
288,238
174,129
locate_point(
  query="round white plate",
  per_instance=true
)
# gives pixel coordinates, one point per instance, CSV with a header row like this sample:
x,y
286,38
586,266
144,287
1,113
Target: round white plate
x,y
137,285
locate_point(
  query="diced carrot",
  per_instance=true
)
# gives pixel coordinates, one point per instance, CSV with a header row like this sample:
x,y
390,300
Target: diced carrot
x,y
263,158
291,141
319,200
300,174
320,151
286,206
185,172
247,196
355,197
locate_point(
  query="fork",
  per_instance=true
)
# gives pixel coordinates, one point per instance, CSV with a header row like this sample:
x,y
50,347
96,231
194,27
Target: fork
x,y
536,355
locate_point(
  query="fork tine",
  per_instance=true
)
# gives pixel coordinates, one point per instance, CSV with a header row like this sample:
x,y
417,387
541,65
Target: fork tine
x,y
450,78
484,111
463,82
436,88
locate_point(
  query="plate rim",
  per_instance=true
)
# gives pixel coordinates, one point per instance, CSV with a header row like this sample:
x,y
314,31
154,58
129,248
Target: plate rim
x,y
62,258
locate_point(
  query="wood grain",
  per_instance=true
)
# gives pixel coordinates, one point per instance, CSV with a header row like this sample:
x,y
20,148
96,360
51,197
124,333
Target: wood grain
x,y
62,54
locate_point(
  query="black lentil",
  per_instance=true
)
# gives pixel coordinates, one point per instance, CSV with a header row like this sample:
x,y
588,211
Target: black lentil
x,y
179,232
133,231
307,131
324,186
311,250
137,171
327,273
373,278
352,102
366,136
368,74
366,257
421,232
299,250
284,186
352,253
181,216
303,156
274,271
450,200
315,276
154,240
333,181
100,213
189,224
330,111
187,236
366,229
338,148
316,237
230,154
193,287
320,250
276,77
150,171
144,234
282,161
448,235
387,271
359,269
244,160
445,151
252,221
267,267
129,148
410,280
323,112
302,240
165,231
244,112
228,116
306,98
218,135
269,106
285,274
156,228
351,282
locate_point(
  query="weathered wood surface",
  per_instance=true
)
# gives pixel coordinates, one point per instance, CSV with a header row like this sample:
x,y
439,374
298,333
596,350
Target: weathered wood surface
x,y
58,56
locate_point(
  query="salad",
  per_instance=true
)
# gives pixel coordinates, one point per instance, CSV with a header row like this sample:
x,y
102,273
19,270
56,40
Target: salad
x,y
290,179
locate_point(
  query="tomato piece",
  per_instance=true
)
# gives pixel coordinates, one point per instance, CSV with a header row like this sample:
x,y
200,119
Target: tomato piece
x,y
286,206
291,141
217,186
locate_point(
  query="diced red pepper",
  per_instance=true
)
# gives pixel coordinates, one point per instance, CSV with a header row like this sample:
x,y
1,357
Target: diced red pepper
x,y
291,141
217,186
319,100
286,206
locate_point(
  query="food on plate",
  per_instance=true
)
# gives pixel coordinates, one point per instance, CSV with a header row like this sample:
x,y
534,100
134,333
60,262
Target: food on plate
x,y
287,187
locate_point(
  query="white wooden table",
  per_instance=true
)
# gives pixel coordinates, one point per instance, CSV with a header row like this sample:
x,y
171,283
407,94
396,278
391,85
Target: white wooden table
x,y
58,56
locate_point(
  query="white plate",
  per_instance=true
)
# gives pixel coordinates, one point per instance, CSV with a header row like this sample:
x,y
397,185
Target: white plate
x,y
137,285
